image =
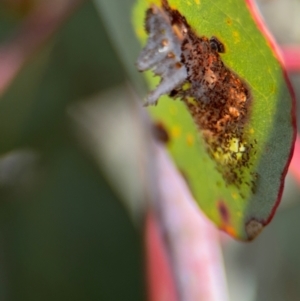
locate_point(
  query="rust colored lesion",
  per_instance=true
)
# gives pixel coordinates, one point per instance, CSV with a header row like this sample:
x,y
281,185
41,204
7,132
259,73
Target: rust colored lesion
x,y
224,213
225,220
160,132
191,69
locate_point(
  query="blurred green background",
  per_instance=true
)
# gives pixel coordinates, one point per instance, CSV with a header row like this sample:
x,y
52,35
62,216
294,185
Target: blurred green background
x,y
64,232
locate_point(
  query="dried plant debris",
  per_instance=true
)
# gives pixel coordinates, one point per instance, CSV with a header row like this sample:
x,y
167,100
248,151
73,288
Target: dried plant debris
x,y
192,70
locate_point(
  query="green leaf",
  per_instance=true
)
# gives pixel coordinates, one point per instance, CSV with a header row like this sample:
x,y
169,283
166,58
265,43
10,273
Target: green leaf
x,y
240,198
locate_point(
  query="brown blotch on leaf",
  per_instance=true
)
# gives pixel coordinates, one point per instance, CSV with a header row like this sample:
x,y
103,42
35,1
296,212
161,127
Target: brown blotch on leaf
x,y
229,21
216,45
217,98
192,70
253,228
224,213
160,133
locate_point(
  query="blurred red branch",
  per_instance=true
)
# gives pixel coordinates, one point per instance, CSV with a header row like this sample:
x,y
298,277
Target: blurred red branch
x,y
191,240
160,280
42,22
291,56
295,163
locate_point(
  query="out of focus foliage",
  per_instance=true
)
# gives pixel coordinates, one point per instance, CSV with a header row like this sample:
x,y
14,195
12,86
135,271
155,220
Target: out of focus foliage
x,y
65,235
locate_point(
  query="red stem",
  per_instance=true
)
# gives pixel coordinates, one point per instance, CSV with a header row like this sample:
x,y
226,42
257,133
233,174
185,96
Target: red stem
x,y
291,56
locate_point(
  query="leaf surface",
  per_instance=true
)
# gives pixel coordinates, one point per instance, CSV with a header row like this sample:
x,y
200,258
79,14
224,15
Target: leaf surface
x,y
241,209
